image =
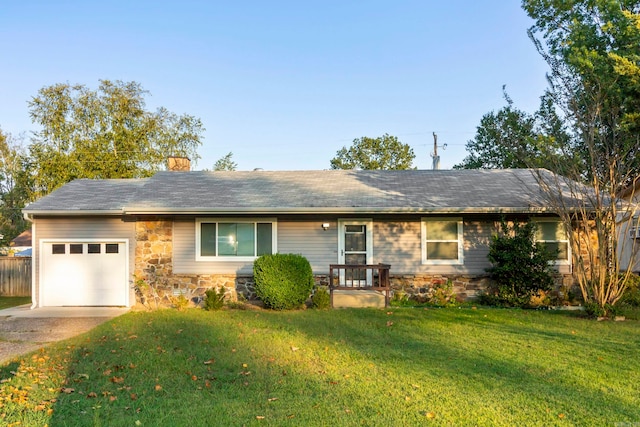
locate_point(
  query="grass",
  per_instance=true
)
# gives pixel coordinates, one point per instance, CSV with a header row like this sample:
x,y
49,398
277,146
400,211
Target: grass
x,y
484,367
8,302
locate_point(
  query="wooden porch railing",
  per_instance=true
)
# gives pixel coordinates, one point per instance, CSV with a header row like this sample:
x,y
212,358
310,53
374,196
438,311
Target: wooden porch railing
x,y
370,277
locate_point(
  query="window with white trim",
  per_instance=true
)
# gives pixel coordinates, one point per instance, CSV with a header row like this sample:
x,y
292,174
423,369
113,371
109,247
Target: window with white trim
x,y
234,239
552,234
442,241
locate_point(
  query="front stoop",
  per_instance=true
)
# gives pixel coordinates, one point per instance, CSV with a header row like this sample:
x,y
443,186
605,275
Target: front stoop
x,y
357,299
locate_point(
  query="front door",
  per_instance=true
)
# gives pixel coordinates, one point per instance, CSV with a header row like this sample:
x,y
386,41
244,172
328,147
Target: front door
x,y
355,248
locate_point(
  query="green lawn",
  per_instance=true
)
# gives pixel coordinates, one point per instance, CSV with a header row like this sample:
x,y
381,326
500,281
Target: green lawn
x,y
404,366
7,302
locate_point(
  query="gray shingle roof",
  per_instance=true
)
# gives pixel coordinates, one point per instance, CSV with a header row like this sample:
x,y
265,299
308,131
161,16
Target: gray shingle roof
x,y
302,191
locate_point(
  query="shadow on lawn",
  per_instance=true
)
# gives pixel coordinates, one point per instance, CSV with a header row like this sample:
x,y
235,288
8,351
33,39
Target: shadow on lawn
x,y
154,368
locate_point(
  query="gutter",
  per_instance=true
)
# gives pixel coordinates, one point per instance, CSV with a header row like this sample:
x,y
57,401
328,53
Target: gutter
x,y
328,210
29,214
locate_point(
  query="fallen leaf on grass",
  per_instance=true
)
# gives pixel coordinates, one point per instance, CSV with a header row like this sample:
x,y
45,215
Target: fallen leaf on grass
x,y
272,399
158,387
67,390
259,417
117,380
294,348
561,416
430,415
92,395
209,362
389,323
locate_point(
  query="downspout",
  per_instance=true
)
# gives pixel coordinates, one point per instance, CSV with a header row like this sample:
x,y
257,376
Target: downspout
x,y
33,258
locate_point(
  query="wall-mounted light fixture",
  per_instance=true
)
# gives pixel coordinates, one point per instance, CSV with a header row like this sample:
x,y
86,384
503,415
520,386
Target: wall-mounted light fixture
x,y
325,226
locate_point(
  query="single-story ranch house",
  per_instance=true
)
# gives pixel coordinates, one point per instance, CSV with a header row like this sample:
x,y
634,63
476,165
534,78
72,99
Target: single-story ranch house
x,y
186,231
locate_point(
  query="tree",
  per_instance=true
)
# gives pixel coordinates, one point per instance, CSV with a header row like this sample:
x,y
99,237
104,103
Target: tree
x,y
13,194
106,133
225,163
593,51
512,138
384,152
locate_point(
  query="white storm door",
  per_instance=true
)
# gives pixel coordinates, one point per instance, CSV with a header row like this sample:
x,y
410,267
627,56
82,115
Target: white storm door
x,y
355,247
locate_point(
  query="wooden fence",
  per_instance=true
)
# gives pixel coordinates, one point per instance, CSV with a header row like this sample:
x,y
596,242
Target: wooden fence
x,y
15,276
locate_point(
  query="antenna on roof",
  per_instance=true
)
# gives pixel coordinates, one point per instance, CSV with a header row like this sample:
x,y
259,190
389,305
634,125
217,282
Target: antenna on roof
x,y
434,153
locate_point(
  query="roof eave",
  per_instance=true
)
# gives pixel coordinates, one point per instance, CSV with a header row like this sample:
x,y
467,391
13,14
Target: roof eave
x,y
76,212
330,210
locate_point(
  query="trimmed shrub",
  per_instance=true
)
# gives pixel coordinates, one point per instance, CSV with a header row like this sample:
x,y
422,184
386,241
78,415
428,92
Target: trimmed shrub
x,y
521,266
283,281
321,298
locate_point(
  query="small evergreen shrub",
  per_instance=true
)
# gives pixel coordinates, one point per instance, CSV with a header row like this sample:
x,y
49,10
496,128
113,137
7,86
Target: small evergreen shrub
x,y
521,266
283,281
214,299
321,298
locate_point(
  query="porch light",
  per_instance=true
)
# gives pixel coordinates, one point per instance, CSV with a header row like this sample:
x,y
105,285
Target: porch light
x,y
325,226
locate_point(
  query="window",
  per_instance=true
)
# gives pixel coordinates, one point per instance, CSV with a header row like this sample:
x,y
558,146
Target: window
x,y
75,248
442,241
552,235
93,248
111,248
57,249
240,240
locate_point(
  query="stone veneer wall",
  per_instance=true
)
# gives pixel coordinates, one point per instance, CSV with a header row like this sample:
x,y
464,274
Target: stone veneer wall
x,y
154,265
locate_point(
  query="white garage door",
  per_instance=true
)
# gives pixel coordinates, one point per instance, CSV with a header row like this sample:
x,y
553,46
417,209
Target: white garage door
x,y
84,273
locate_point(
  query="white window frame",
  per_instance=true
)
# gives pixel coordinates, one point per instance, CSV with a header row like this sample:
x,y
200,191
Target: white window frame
x,y
566,261
199,221
423,241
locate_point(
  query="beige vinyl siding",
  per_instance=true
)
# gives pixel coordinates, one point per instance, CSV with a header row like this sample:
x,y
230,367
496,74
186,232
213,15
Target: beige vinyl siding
x,y
83,228
396,241
184,254
308,239
399,243
300,237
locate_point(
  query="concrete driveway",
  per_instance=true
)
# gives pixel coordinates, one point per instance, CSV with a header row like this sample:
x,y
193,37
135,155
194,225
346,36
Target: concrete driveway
x,y
23,330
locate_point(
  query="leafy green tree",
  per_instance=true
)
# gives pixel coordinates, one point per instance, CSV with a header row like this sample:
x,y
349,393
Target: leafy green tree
x,y
225,163
593,50
13,194
103,133
384,152
512,138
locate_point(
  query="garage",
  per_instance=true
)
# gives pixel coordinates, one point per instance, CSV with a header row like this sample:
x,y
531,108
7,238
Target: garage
x,y
84,273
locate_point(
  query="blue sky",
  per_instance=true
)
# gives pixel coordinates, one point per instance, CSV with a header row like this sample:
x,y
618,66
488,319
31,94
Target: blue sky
x,y
284,84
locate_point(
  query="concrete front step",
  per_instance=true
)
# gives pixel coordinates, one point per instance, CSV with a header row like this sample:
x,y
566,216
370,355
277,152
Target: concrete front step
x,y
357,299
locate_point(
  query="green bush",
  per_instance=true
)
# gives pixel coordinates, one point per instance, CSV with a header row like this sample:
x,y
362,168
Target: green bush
x,y
214,299
283,281
521,267
443,295
321,298
631,294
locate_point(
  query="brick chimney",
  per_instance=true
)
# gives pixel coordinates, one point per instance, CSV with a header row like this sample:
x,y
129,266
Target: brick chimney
x,y
178,163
